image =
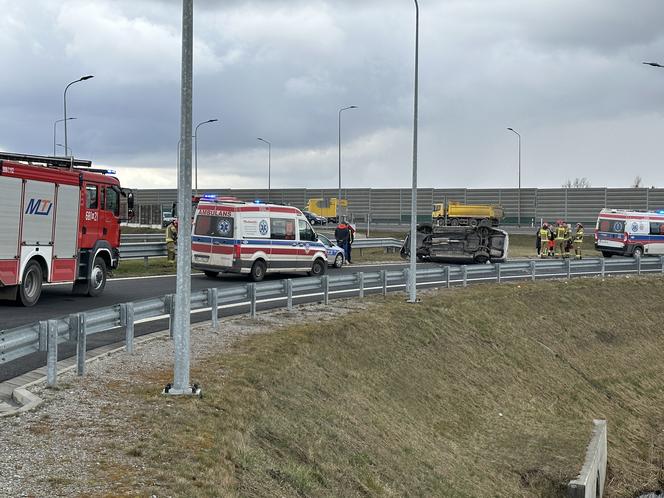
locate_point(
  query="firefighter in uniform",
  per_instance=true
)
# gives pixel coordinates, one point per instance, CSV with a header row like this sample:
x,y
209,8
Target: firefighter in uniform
x,y
578,240
171,237
561,238
544,240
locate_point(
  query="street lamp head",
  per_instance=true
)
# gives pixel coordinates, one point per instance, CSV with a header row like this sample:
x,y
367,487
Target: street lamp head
x,y
510,129
353,107
653,64
212,120
89,76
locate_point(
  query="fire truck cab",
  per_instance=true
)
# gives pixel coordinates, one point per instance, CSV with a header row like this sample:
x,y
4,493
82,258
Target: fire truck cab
x,y
60,223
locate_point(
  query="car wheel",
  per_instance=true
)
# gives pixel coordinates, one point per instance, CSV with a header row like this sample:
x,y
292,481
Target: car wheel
x,y
97,278
211,274
30,289
318,268
454,223
258,271
339,261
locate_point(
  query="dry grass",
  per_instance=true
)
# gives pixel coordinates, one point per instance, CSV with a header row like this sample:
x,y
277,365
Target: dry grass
x,y
476,392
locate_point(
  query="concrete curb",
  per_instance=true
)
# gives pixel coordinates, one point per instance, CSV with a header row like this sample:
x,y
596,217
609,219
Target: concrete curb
x,y
28,401
590,481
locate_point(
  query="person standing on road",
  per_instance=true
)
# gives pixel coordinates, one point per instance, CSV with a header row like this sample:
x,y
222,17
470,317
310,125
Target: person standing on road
x,y
171,238
578,240
342,235
351,239
542,240
561,237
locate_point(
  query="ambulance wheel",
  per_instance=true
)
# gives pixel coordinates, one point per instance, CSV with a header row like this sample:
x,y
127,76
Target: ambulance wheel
x,y
318,268
97,278
258,271
638,252
30,290
607,254
211,274
339,261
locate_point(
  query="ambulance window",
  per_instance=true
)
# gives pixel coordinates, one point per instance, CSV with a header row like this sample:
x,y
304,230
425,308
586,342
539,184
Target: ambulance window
x,y
306,232
112,201
214,226
657,228
91,197
614,226
282,229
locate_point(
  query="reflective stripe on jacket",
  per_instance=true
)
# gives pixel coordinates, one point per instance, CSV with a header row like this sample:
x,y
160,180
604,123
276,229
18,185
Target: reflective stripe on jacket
x,y
578,236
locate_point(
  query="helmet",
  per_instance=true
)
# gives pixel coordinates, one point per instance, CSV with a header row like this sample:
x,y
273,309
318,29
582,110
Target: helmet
x,y
544,225
579,225
175,222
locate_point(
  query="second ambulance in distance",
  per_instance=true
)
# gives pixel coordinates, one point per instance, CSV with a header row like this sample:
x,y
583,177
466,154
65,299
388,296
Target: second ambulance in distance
x,y
254,238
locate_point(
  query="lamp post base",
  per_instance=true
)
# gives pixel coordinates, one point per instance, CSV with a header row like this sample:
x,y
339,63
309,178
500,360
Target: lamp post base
x,y
194,390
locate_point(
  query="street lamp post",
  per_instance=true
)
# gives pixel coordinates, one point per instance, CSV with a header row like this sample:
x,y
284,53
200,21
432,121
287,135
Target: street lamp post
x,y
54,125
196,152
65,102
269,165
412,274
339,194
519,191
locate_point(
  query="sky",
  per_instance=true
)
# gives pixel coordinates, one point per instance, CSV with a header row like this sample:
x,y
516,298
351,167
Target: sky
x,y
567,75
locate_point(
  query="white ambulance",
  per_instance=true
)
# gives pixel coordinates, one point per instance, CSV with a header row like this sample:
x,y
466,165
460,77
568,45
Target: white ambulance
x,y
254,238
629,233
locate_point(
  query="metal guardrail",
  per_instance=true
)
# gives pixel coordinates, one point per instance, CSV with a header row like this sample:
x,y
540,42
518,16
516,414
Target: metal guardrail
x,y
157,248
44,336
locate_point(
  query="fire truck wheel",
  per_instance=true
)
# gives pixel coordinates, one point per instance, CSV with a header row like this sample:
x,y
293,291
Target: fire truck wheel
x,y
97,278
258,271
30,290
318,268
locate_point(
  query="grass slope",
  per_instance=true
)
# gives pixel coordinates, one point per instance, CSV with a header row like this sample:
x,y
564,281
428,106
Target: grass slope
x,y
484,391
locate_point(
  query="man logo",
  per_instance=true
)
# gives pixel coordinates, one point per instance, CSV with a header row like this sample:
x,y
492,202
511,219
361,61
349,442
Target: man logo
x,y
39,207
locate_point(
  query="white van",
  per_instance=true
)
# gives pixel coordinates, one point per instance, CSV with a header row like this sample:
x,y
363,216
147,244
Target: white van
x,y
629,233
254,238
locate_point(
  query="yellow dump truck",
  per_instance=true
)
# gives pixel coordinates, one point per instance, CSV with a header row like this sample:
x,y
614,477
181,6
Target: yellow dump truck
x,y
327,208
458,214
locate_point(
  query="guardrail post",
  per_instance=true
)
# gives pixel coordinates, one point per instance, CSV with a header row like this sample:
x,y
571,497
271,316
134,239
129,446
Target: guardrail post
x,y
638,265
406,277
498,273
213,301
80,329
661,263
170,309
251,290
603,267
464,274
289,294
145,261
43,335
447,276
361,277
127,321
52,354
532,270
325,284
569,268
383,280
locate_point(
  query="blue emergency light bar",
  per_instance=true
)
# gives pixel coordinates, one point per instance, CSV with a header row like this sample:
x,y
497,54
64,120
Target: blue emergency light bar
x,y
258,201
209,196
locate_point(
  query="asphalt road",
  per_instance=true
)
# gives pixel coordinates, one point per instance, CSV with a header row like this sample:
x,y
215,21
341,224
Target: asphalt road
x,y
57,300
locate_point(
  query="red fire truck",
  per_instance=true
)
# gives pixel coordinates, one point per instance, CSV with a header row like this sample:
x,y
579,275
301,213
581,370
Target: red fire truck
x,y
59,222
